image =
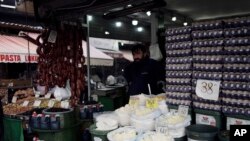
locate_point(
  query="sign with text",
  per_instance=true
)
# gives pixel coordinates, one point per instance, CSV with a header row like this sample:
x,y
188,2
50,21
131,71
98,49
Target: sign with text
x,y
183,110
207,89
25,103
239,132
152,103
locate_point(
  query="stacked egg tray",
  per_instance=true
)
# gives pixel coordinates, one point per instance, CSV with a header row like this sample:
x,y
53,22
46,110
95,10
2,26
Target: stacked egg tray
x,y
208,46
236,73
178,66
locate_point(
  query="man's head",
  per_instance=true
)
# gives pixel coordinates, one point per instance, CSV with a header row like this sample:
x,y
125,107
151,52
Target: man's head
x,y
139,52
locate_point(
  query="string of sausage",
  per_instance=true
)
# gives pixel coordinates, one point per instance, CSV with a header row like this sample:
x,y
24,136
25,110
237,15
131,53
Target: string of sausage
x,y
62,60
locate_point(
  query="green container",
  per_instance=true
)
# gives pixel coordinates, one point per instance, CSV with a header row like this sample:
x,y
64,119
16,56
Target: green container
x,y
67,118
181,139
13,130
202,132
98,135
67,134
209,117
111,102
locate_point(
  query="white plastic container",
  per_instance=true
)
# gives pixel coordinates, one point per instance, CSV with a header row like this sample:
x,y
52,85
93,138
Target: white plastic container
x,y
154,136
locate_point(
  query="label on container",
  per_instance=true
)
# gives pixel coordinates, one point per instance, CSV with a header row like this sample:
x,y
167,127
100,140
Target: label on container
x,y
25,103
205,119
14,99
37,94
65,104
37,103
152,103
97,139
183,110
163,130
207,89
48,95
236,121
51,103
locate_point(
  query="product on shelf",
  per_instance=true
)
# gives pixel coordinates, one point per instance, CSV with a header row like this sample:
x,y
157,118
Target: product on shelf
x,y
123,134
155,136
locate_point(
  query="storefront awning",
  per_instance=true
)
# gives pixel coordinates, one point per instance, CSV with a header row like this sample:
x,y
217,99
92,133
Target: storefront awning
x,y
97,57
14,49
127,54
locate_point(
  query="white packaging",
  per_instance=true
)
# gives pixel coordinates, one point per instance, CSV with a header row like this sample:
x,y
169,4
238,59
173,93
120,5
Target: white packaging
x,y
143,124
127,133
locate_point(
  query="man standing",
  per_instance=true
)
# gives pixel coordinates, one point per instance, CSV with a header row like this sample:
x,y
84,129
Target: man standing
x,y
143,71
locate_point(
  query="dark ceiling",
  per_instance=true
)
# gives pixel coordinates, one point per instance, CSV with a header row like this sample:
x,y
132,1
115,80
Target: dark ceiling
x,y
209,9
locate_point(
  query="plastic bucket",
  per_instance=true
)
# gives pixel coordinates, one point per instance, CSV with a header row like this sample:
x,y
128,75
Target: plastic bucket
x,y
13,130
184,138
67,134
97,135
199,132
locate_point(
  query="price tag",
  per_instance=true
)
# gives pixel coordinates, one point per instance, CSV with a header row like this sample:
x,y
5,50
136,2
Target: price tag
x,y
52,36
183,110
95,97
208,89
51,103
152,103
37,94
25,103
37,103
48,95
14,99
65,104
163,130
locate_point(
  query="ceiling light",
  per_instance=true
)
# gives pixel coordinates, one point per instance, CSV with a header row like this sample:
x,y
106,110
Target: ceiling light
x,y
106,33
139,29
122,44
134,22
185,23
174,19
129,5
118,24
90,18
148,13
7,6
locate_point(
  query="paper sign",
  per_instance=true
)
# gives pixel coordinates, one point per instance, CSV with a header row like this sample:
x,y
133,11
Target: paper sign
x,y
37,94
48,95
208,89
95,97
25,103
51,103
183,110
152,103
37,103
65,104
52,36
14,99
163,130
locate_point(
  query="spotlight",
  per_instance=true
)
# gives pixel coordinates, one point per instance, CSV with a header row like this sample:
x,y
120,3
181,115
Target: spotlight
x,y
139,29
118,24
134,22
106,33
148,13
174,19
185,23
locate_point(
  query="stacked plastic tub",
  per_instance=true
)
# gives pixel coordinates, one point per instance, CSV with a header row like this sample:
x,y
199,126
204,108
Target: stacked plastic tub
x,y
178,66
208,65
236,76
